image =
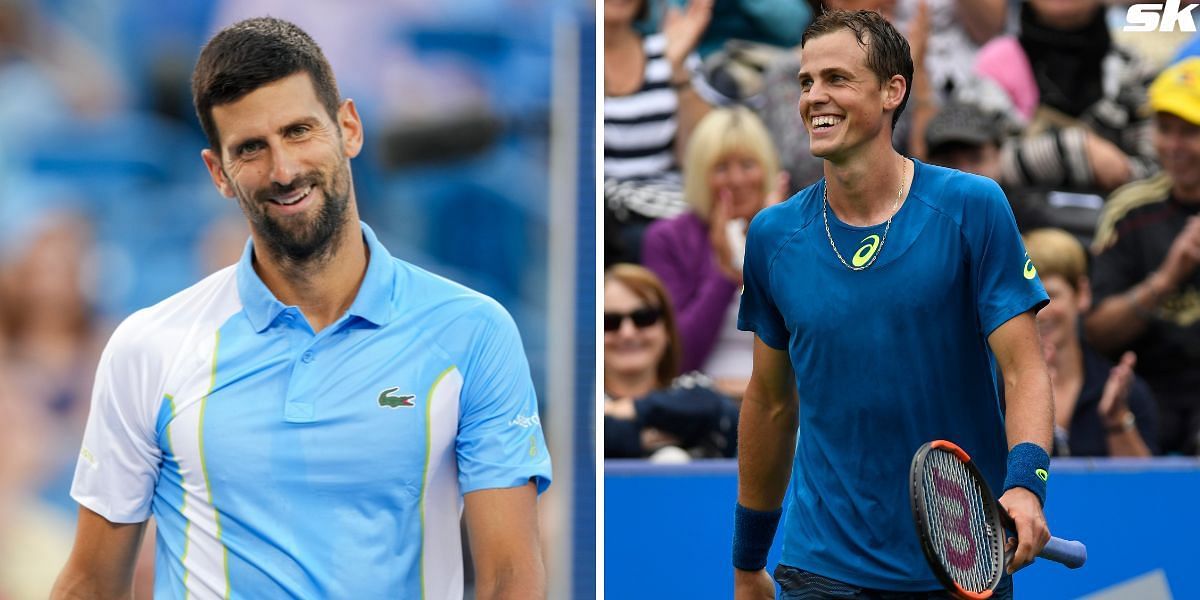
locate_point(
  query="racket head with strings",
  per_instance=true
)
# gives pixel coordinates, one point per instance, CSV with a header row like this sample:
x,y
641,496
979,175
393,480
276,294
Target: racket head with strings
x,y
959,522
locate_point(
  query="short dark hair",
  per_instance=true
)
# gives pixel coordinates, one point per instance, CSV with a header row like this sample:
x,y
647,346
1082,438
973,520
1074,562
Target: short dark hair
x,y
888,53
250,54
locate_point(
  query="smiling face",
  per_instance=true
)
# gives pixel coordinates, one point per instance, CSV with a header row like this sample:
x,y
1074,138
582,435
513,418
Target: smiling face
x,y
842,101
287,163
1177,142
631,350
1058,321
740,175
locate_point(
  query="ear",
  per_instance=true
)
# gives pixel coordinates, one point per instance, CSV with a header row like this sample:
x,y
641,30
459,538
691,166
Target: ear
x,y
893,92
1084,295
213,162
351,127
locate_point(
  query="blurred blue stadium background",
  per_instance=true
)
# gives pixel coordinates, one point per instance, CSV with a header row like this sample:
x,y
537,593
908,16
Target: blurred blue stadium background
x,y
466,106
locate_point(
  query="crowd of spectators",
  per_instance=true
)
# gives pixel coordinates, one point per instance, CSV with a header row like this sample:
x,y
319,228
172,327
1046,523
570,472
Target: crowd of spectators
x,y
1092,133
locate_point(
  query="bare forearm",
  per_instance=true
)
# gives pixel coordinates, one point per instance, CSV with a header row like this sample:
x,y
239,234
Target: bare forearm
x,y
75,585
101,563
691,109
503,529
983,19
1030,408
924,110
513,583
1127,443
1119,320
766,446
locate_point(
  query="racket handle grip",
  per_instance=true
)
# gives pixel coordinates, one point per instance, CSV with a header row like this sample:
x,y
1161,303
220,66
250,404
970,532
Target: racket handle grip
x,y
1068,552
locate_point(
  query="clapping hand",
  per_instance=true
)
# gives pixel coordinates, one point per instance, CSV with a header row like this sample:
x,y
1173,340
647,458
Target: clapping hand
x,y
683,29
718,235
1114,402
1184,255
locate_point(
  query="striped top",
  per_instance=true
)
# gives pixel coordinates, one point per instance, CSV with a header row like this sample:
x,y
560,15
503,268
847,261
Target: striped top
x,y
639,129
279,463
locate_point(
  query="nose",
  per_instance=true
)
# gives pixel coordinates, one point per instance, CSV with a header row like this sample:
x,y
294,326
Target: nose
x,y
627,327
737,174
284,165
816,94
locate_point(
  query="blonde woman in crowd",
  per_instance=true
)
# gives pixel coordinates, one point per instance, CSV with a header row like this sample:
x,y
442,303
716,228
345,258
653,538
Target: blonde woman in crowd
x,y
731,172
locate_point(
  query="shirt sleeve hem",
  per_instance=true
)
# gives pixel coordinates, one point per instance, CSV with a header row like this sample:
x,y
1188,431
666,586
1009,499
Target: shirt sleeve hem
x,y
542,482
112,516
1034,302
771,339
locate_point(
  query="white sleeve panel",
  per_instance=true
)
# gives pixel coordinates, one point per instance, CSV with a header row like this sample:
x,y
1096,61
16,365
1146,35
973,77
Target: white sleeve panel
x,y
118,464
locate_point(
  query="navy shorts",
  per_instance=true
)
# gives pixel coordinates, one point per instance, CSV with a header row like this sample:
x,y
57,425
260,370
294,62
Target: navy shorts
x,y
798,584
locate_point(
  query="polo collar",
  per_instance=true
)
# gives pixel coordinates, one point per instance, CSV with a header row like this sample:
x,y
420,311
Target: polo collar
x,y
373,302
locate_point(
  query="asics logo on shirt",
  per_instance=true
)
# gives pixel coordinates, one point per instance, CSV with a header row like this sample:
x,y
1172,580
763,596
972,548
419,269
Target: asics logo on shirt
x,y
386,399
866,251
1030,270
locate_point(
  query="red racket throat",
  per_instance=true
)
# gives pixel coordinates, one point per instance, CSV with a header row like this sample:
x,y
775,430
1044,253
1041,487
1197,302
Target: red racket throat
x,y
958,520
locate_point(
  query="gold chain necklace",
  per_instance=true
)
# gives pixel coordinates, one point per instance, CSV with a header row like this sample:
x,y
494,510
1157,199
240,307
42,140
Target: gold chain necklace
x,y
886,228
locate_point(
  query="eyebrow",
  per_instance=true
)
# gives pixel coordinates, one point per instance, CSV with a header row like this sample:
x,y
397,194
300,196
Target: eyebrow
x,y
310,121
826,71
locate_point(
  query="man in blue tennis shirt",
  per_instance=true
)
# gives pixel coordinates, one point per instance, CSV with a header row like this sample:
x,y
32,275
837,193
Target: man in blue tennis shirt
x,y
883,299
311,422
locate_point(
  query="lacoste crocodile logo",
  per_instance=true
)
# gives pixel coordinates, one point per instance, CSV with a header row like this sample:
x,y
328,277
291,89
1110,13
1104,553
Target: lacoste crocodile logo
x,y
387,400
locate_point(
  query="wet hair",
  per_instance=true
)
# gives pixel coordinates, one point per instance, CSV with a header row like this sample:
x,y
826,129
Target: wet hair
x,y
649,288
250,54
888,53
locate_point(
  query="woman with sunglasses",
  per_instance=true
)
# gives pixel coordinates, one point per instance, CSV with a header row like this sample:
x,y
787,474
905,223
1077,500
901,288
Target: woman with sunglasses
x,y
731,173
647,407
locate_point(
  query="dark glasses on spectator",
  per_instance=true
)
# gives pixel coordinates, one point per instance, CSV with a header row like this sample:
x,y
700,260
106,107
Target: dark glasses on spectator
x,y
642,318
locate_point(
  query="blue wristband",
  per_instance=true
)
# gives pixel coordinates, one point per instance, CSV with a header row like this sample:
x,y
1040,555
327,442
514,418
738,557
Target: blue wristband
x,y
753,532
1029,468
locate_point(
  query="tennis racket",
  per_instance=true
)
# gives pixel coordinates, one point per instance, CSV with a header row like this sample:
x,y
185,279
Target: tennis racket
x,y
961,525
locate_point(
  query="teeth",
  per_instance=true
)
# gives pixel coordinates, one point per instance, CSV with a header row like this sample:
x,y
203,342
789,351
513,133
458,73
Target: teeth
x,y
825,120
293,197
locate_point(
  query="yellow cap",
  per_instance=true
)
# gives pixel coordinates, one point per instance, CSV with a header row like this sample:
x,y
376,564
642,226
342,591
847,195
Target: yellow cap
x,y
1177,90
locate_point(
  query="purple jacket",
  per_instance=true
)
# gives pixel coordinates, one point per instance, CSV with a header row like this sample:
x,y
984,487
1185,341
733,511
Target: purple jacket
x,y
678,251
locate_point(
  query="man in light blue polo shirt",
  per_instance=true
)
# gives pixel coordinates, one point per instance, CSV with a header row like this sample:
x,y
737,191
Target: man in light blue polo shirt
x,y
311,422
